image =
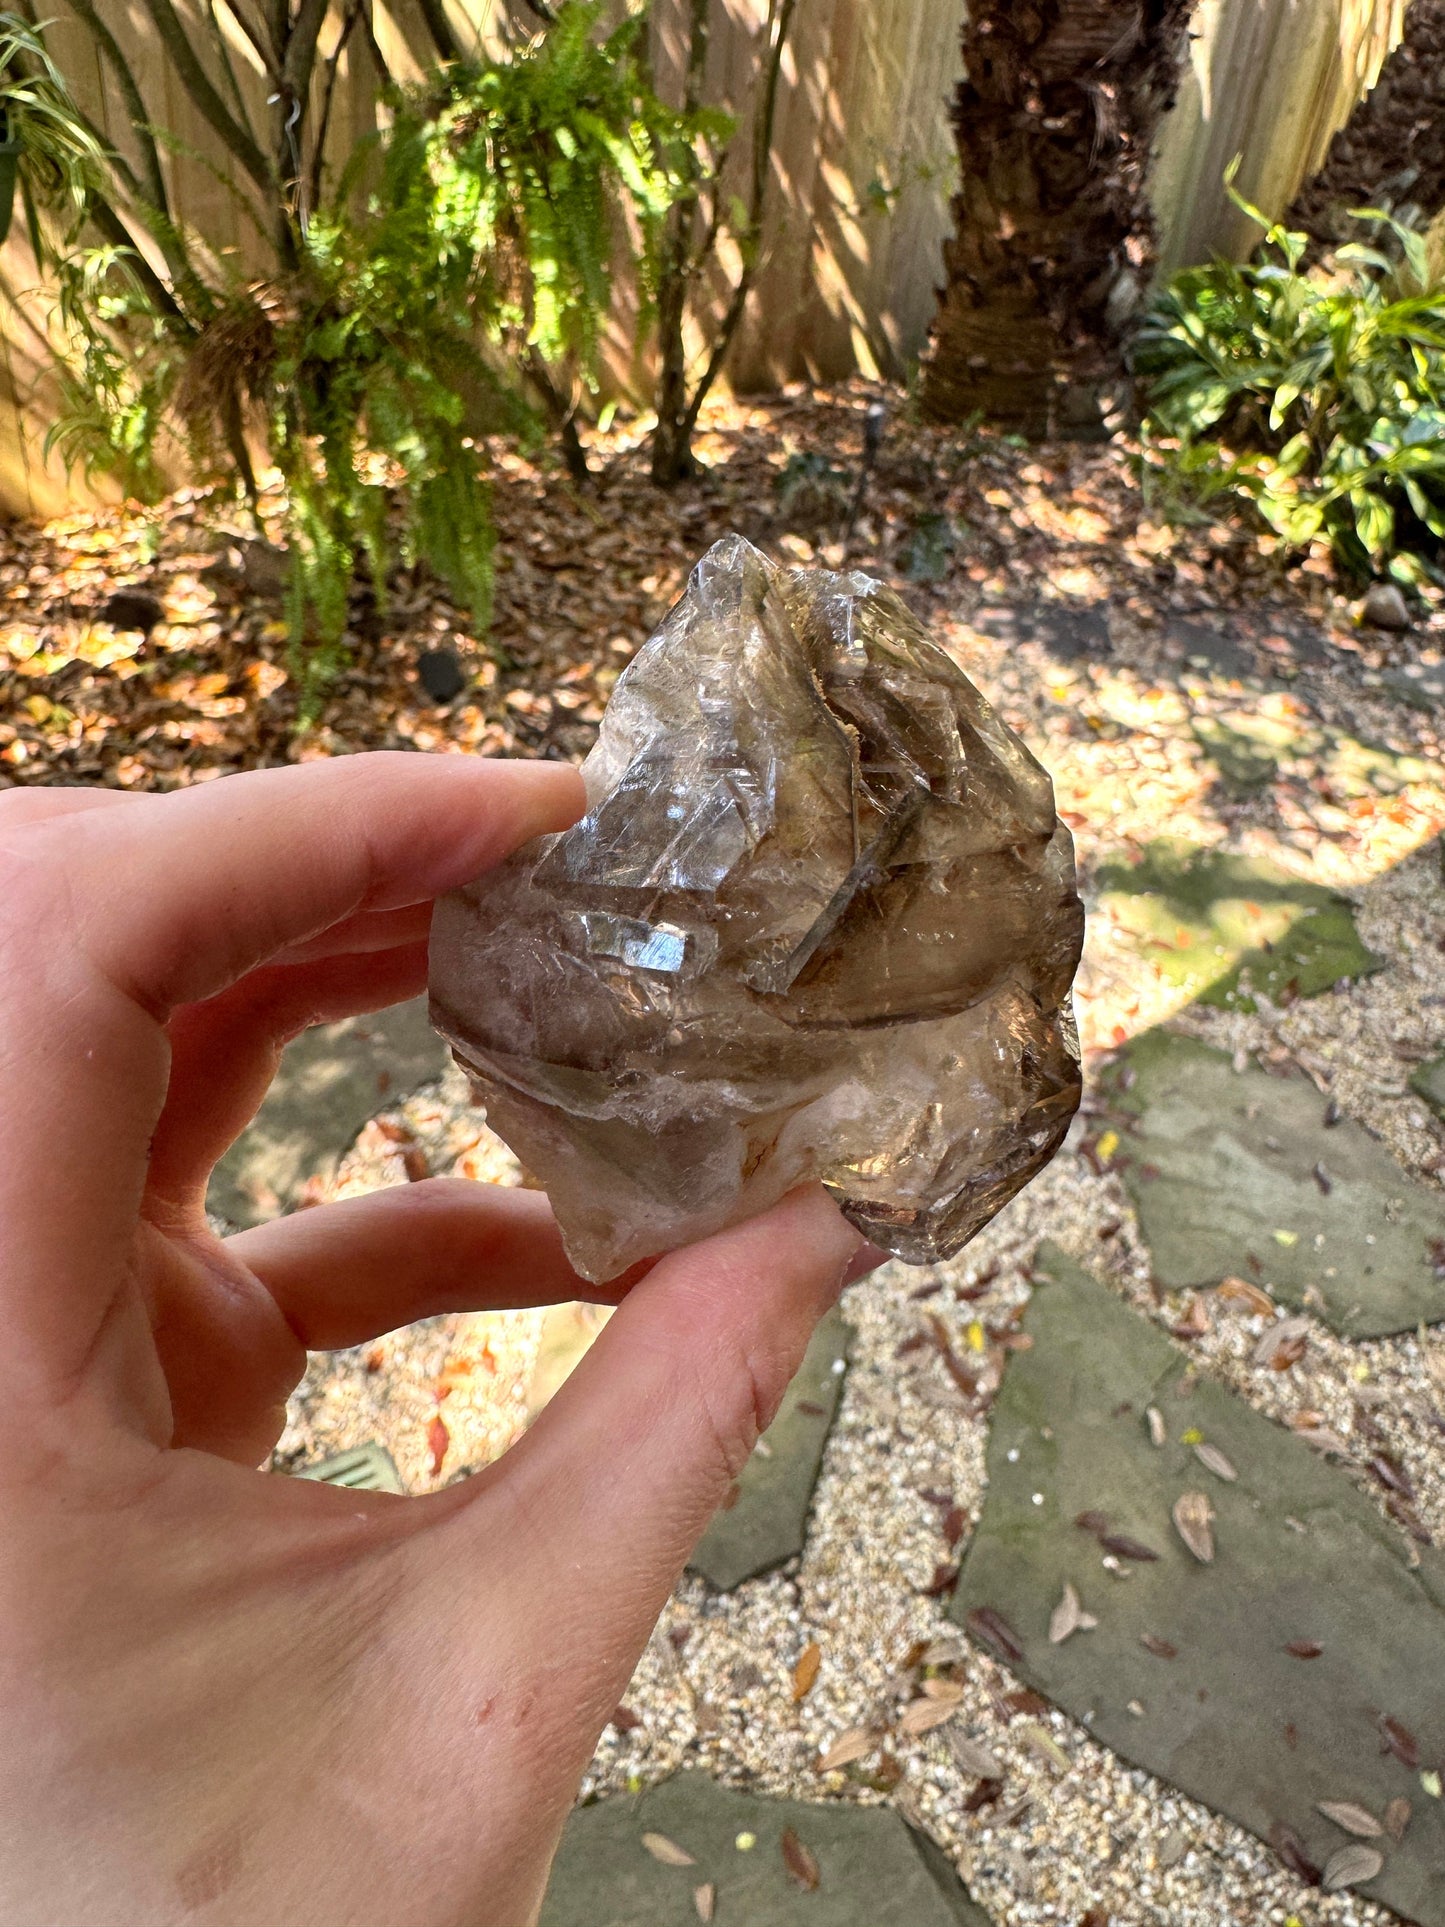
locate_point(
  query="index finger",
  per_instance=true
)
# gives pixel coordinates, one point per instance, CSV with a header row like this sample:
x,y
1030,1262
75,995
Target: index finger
x,y
110,918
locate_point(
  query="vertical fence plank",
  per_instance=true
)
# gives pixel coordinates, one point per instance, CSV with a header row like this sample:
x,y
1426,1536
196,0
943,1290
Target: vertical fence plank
x,y
861,175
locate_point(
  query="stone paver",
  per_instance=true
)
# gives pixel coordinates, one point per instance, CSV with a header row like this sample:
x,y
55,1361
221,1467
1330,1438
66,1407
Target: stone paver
x,y
1224,927
767,1522
1236,1174
332,1079
1300,1665
872,1869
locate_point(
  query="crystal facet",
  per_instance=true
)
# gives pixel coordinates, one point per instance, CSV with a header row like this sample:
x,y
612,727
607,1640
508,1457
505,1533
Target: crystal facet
x,y
818,922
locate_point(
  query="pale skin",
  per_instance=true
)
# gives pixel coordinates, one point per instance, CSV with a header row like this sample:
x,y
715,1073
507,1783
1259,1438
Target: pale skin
x,y
231,1697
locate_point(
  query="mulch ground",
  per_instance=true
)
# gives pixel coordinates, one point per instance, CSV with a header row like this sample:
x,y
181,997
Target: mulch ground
x,y
960,522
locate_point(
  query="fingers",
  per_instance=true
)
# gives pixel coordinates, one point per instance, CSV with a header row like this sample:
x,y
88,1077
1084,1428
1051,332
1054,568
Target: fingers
x,y
46,801
181,899
224,1055
111,917
622,1472
347,1272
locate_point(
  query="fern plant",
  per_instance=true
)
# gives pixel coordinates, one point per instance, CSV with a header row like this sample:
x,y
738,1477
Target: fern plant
x,y
1314,400
396,328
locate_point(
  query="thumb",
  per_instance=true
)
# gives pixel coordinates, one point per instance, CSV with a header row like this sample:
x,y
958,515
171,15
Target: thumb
x,y
619,1477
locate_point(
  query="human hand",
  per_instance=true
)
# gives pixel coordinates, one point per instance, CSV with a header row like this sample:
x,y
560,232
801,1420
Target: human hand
x,y
232,1697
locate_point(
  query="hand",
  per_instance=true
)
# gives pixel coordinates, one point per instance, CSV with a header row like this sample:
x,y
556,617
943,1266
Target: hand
x,y
227,1696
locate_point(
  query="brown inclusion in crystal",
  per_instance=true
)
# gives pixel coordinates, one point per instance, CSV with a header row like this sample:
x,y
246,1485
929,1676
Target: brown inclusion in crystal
x,y
819,922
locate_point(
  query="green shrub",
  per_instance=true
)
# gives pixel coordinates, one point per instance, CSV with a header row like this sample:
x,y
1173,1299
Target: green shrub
x,y
1315,400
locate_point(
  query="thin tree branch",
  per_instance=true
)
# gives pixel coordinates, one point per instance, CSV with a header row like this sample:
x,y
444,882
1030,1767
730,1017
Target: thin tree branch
x,y
762,155
323,123
300,56
197,84
677,267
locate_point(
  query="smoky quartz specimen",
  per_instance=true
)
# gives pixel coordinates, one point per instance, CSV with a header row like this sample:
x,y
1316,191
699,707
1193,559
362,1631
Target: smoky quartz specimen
x,y
819,922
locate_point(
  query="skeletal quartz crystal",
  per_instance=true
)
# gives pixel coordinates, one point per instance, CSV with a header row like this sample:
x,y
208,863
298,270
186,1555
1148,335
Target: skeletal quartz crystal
x,y
818,922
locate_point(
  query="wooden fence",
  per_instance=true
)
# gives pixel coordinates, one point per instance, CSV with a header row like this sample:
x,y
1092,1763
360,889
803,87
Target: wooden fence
x,y
863,166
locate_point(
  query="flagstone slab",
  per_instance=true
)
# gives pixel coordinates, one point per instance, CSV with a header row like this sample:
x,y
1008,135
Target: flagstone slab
x,y
873,1869
1227,928
1188,1672
768,1520
1428,1081
1228,1171
333,1078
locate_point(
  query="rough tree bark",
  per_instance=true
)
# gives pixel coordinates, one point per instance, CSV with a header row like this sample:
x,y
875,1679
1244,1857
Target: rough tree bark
x,y
1053,237
1391,151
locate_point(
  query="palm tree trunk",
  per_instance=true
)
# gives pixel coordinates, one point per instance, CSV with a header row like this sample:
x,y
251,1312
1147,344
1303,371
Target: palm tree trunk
x,y
1053,239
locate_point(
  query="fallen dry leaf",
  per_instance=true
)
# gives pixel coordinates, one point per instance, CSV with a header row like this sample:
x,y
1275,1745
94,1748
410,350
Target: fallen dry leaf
x,y
704,1900
1291,1850
1399,1740
1193,1516
985,1794
947,1690
974,1758
1214,1461
806,1670
854,1743
1242,1292
1043,1743
994,1630
438,1438
947,1651
1354,1819
1397,1817
1350,1867
924,1714
1067,1616
667,1851
1283,1343
1123,1547
800,1861
1196,1321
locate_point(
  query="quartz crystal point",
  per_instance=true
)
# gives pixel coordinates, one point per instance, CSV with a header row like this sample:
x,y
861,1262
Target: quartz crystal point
x,y
818,922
